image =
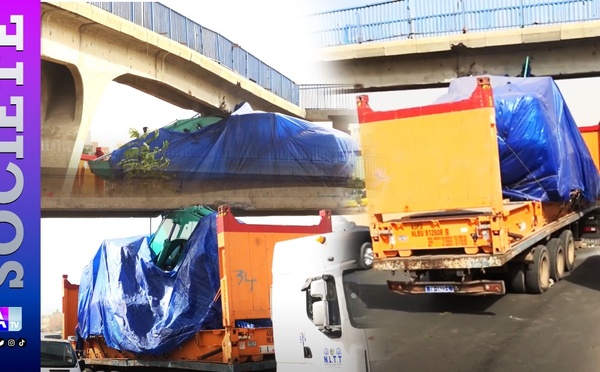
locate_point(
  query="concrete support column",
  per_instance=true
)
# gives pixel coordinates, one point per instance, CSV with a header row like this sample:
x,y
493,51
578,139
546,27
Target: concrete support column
x,y
94,85
342,122
66,117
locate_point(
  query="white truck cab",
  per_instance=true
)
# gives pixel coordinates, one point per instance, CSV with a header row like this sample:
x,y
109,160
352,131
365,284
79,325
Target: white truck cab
x,y
330,310
58,356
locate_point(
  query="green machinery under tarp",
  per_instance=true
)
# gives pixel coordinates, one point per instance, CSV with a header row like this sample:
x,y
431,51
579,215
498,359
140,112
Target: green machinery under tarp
x,y
193,124
101,166
168,242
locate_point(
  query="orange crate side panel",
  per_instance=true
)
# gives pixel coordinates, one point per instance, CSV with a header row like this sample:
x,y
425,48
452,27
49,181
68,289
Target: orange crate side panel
x,y
591,138
247,273
69,306
434,162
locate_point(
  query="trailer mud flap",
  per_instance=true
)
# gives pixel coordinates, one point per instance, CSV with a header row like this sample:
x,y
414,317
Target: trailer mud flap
x,y
474,288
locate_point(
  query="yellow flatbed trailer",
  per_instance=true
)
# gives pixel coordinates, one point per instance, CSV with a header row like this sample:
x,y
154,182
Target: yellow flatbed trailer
x,y
436,206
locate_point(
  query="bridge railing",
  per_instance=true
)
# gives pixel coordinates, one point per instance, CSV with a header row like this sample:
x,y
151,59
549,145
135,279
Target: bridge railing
x,y
405,19
326,97
167,22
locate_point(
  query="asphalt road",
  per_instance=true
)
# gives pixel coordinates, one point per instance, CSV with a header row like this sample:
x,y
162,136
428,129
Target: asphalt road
x,y
556,331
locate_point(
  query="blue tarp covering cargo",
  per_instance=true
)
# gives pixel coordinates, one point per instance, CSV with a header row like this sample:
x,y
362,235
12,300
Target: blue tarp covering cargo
x,y
136,306
255,145
126,298
542,154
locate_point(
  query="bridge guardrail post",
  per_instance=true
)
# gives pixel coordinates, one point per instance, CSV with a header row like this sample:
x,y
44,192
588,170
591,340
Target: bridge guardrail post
x,y
521,14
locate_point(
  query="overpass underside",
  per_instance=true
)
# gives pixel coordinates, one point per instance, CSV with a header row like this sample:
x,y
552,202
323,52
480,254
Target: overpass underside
x,y
560,51
150,202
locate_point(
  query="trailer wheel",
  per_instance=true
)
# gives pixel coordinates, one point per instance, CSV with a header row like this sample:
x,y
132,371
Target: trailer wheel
x,y
569,246
556,251
537,275
516,277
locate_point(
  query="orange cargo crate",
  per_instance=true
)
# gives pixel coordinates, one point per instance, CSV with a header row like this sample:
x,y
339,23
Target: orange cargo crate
x,y
591,136
434,184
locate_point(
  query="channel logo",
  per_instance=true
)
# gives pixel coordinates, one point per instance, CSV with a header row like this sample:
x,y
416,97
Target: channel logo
x,y
10,319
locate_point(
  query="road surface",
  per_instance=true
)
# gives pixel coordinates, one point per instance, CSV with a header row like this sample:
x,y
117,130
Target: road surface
x,y
556,331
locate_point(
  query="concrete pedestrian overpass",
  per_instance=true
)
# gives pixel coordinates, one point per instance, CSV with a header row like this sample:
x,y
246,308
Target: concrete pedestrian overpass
x,y
567,50
416,44
83,49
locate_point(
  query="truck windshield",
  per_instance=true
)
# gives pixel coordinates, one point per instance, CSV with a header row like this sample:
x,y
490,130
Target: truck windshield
x,y
369,301
57,354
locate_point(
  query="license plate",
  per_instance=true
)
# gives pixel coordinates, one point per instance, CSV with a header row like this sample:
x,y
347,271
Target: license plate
x,y
439,288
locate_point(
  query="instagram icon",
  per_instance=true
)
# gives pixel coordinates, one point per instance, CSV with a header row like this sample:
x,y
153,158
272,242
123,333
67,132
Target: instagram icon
x,y
10,319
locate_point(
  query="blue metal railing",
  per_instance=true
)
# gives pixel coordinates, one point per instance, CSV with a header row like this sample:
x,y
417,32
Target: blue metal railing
x,y
165,21
404,19
327,97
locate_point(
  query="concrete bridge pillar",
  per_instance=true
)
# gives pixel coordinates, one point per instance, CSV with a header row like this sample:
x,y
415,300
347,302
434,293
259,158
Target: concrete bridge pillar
x,y
66,117
342,122
94,86
340,119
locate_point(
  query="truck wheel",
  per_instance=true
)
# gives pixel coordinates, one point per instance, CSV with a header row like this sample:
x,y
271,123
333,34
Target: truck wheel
x,y
516,277
569,246
365,259
537,275
556,251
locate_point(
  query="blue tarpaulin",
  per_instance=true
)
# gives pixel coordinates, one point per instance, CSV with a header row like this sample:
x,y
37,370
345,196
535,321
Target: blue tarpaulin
x,y
136,306
254,145
542,153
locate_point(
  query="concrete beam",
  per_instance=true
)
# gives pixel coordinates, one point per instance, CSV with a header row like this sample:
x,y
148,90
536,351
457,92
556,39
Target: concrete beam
x,y
527,35
152,201
340,119
329,115
567,50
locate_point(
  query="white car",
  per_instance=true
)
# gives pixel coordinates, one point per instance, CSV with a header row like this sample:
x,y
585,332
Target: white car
x,y
58,355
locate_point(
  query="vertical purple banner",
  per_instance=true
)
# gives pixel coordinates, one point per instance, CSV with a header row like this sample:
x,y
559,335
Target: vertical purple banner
x,y
20,185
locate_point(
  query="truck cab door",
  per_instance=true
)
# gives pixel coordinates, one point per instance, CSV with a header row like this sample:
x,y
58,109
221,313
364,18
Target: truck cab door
x,y
304,321
324,341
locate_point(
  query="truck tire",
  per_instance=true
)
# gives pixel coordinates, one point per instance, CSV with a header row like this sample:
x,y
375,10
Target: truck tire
x,y
516,277
537,274
569,246
365,258
556,251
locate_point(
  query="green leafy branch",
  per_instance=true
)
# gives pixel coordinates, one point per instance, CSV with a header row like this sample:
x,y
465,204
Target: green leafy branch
x,y
143,161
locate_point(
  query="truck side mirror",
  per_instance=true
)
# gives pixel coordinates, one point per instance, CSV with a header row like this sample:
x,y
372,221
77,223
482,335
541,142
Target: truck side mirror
x,y
320,316
322,305
318,289
81,364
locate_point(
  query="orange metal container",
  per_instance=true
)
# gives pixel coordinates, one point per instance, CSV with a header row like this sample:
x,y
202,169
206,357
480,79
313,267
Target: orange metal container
x,y
245,258
434,185
437,157
591,136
